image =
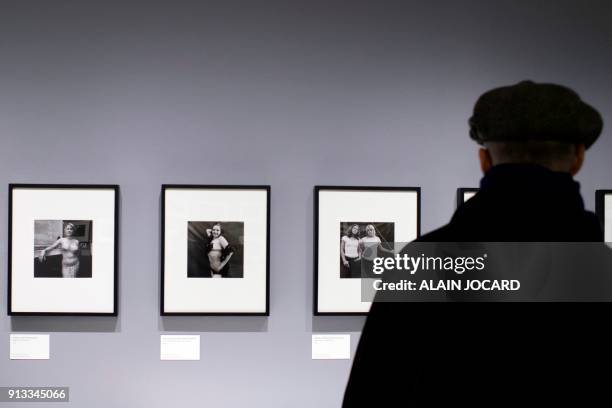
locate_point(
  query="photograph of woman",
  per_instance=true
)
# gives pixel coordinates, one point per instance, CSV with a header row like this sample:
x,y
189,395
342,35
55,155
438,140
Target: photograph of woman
x,y
360,243
219,252
69,255
350,253
372,247
214,249
371,242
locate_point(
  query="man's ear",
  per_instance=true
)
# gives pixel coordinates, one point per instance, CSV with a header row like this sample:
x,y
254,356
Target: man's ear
x,y
578,159
486,162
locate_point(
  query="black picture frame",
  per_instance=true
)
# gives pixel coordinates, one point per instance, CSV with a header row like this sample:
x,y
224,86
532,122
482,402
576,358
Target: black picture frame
x,y
600,196
164,189
317,190
461,192
116,191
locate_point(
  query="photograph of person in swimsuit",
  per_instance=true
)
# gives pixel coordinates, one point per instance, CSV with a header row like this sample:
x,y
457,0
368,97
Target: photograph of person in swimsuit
x,y
62,248
215,249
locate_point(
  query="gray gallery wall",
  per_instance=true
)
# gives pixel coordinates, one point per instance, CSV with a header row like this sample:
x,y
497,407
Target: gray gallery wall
x,y
290,94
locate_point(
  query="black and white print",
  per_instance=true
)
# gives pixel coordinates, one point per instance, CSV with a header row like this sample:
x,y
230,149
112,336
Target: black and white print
x,y
62,248
360,243
215,249
603,206
352,226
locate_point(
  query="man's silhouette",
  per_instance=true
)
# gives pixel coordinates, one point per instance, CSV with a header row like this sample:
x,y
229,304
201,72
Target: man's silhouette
x,y
533,139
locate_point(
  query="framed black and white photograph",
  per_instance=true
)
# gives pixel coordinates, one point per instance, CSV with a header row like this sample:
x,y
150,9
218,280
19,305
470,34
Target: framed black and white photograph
x,y
215,250
63,242
351,224
603,204
464,194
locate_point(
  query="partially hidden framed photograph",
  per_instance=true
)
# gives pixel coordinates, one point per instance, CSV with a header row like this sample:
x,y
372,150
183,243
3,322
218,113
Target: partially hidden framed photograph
x,y
603,207
215,250
349,224
62,249
464,194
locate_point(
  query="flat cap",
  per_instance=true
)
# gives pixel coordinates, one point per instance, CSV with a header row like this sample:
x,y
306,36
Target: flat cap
x,y
534,111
